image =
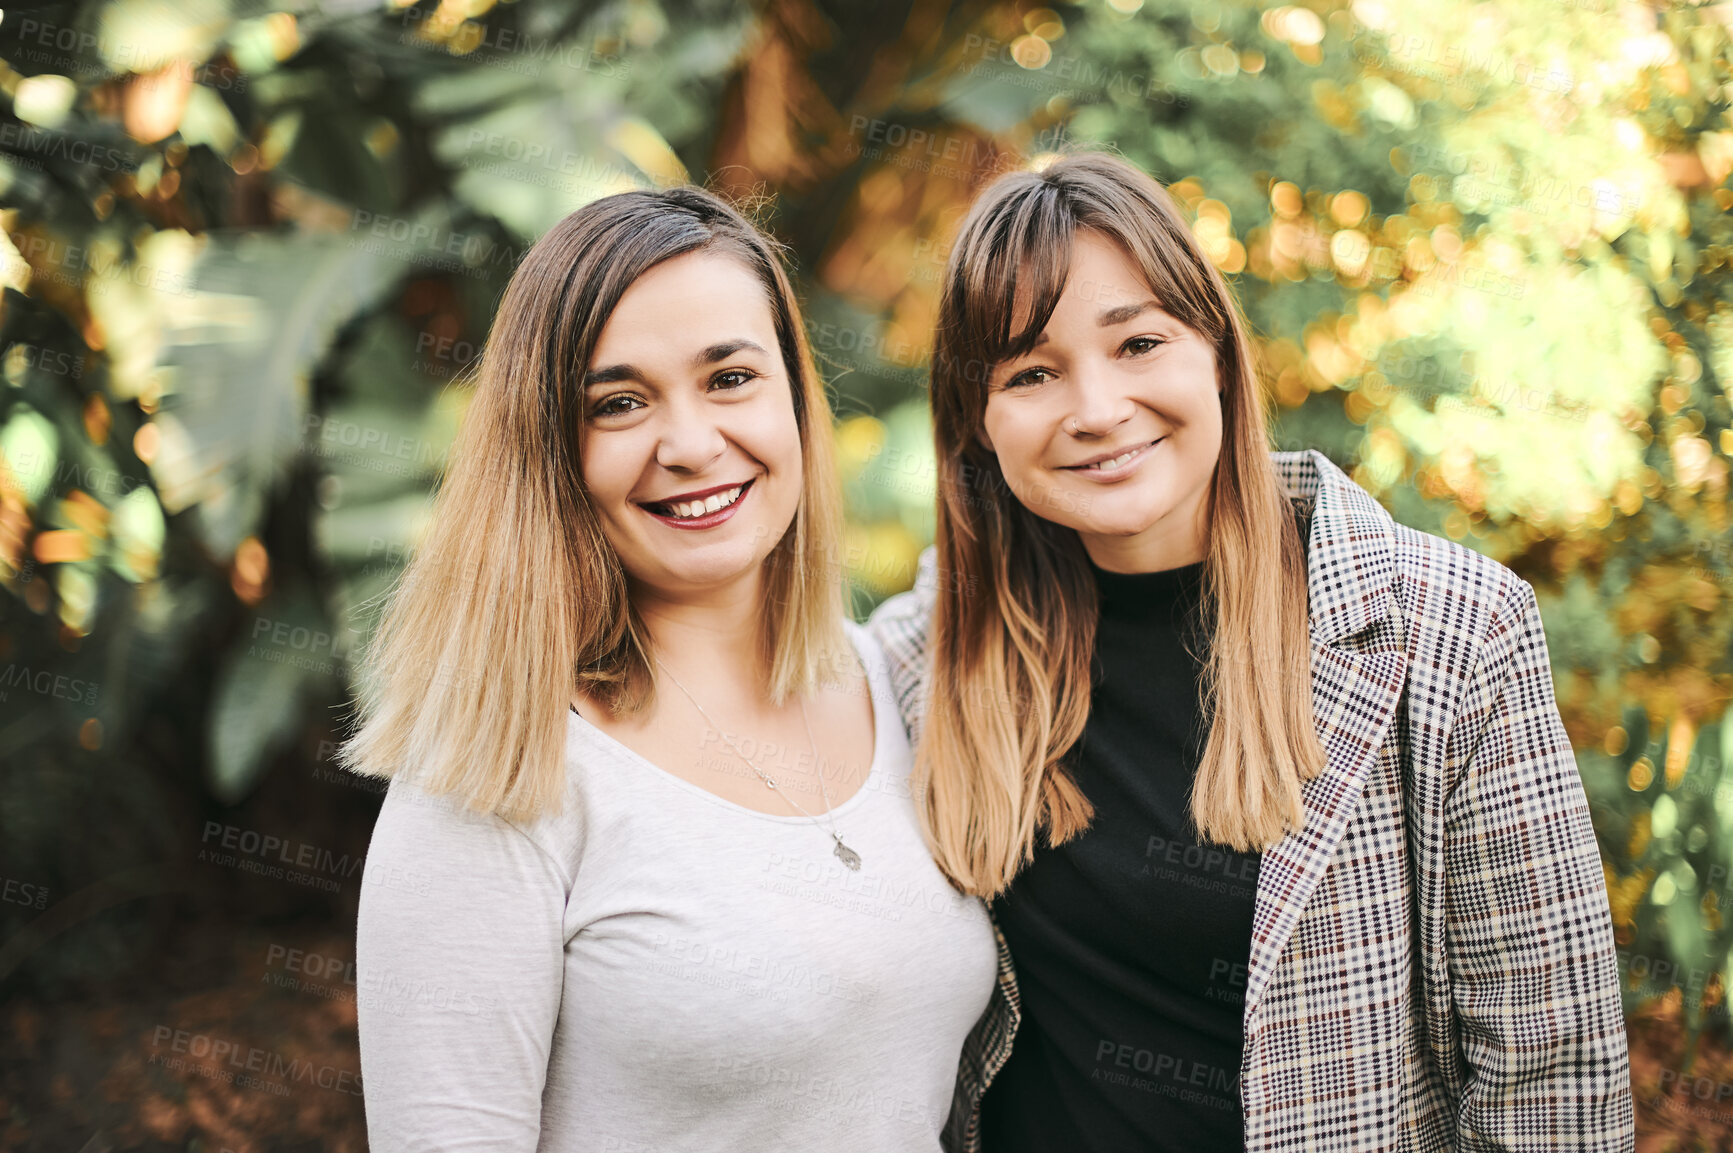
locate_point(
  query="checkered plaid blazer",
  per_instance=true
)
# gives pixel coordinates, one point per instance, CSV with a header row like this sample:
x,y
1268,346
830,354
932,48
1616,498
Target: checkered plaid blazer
x,y
1432,959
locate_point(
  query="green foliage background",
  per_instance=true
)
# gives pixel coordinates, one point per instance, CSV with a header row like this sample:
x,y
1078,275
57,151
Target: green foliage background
x,y
254,246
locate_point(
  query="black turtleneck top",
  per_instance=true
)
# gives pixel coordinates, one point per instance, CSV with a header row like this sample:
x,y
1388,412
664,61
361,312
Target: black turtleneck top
x,y
1131,941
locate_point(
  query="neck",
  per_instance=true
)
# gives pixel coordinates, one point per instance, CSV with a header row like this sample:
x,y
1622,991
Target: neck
x,y
1178,538
706,634
1158,548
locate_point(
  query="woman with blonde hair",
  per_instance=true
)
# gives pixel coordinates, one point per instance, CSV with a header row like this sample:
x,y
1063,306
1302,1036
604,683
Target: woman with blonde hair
x,y
1269,793
648,875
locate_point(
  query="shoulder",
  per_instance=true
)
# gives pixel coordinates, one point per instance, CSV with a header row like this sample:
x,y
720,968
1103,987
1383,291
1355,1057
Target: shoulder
x,y
1358,550
420,827
870,653
900,623
1444,585
899,629
1469,621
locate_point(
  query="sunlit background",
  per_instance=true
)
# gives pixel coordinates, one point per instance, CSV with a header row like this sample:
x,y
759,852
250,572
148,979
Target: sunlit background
x,y
251,250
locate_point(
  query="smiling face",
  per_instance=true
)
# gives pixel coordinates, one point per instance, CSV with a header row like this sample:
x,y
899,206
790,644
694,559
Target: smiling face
x,y
690,447
1111,425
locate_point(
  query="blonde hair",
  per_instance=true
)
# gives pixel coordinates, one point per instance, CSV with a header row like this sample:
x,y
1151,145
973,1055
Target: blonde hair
x,y
515,598
1014,623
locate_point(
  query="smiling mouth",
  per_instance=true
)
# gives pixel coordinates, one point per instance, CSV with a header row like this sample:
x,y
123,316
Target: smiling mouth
x,y
1113,464
692,508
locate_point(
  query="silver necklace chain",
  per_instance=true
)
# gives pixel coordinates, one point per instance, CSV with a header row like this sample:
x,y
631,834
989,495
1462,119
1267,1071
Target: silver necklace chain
x,y
843,853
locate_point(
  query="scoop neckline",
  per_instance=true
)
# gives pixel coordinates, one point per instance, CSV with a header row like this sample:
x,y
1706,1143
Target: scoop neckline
x,y
620,751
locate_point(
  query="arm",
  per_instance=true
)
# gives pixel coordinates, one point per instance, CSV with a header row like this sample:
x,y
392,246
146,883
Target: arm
x,y
900,626
459,958
1533,968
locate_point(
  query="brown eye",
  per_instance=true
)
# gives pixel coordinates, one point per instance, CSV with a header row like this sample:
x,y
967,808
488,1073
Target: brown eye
x,y
733,378
1029,376
617,405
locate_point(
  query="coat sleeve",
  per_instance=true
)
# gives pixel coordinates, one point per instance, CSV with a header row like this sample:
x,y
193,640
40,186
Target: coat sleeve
x,y
1532,962
900,626
459,966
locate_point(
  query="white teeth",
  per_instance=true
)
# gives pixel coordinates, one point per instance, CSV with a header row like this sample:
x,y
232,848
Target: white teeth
x,y
687,509
1110,465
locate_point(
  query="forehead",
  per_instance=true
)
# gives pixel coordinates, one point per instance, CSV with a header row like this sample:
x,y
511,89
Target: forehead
x,y
689,300
1101,271
1100,275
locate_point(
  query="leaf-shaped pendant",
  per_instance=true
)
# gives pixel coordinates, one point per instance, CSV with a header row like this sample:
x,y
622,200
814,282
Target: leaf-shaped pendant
x,y
847,855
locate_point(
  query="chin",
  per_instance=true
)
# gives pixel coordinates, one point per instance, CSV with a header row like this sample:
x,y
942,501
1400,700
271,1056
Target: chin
x,y
708,564
1114,513
1117,528
706,574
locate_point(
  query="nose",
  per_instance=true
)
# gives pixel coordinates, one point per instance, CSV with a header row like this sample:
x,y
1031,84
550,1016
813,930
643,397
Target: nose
x,y
1097,406
690,438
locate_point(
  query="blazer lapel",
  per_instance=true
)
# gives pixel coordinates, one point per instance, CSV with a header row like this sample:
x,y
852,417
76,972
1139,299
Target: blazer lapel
x,y
1354,697
1350,572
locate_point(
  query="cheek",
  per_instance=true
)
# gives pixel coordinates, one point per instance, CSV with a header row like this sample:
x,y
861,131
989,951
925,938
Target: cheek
x,y
605,465
771,434
1014,441
787,456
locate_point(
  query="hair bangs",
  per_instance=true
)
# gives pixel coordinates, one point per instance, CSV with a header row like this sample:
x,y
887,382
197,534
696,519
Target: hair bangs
x,y
1024,261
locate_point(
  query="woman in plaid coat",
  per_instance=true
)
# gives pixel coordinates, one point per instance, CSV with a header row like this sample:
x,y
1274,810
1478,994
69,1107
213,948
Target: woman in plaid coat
x,y
1425,959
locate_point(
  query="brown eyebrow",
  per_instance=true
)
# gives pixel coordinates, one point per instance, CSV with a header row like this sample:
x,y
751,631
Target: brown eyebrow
x,y
615,373
1112,317
1124,313
725,350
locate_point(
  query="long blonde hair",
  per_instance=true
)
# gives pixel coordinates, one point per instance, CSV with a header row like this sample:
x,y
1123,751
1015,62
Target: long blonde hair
x,y
1014,623
515,597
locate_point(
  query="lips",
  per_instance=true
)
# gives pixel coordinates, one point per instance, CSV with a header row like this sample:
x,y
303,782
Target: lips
x,y
701,508
1113,462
